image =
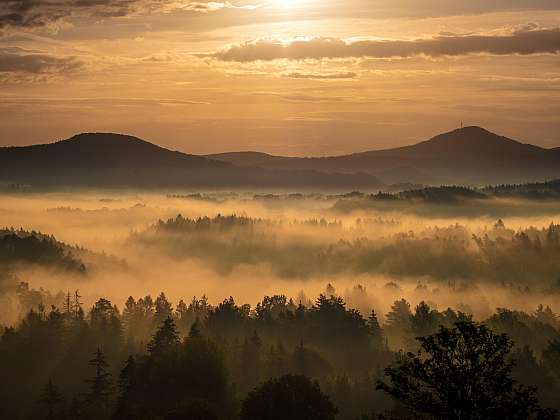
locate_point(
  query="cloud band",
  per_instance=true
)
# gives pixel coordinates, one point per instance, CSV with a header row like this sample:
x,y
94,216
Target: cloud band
x,y
521,42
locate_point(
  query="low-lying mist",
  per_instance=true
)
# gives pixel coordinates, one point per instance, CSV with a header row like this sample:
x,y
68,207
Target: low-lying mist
x,y
247,246
240,288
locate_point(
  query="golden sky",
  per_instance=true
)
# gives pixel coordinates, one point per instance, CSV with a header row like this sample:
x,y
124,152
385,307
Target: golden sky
x,y
293,77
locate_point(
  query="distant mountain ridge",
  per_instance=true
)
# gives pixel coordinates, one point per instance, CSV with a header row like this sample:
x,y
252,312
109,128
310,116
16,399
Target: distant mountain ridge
x,y
467,156
470,155
107,160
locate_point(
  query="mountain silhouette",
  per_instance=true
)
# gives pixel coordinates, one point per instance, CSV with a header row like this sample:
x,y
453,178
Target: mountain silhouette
x,y
121,161
470,155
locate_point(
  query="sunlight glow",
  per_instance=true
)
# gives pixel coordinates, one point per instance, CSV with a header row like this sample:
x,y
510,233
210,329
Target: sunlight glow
x,y
287,3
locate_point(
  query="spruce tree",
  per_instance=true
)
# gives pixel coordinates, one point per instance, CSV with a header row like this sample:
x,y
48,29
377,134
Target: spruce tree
x,y
375,329
101,385
127,384
77,306
51,399
165,338
194,331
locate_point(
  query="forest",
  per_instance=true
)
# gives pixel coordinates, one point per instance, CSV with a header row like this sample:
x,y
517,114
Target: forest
x,y
426,304
152,359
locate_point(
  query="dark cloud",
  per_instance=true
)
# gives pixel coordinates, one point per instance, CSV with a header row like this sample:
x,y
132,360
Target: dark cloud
x,y
40,13
529,40
14,60
43,13
321,76
423,8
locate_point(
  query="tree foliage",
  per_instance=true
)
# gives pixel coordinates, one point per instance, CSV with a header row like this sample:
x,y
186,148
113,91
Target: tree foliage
x,y
461,373
292,397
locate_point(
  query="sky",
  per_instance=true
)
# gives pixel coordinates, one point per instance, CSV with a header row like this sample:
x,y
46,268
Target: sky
x,y
288,77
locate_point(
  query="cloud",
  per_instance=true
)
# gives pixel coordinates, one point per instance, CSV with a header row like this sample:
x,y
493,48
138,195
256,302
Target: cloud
x,y
423,8
212,6
320,76
301,97
49,13
526,41
19,60
100,101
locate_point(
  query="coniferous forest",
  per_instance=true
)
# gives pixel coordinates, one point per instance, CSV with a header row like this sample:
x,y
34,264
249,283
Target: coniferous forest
x,y
270,306
153,359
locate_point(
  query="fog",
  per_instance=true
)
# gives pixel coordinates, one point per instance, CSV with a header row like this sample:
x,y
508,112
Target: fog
x,y
293,246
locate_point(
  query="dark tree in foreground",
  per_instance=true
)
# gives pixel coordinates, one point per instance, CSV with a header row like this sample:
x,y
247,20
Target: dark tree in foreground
x,y
193,410
551,357
166,338
127,385
100,386
293,397
51,399
461,373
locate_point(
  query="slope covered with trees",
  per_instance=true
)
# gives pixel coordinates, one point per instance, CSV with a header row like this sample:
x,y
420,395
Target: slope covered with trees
x,y
516,258
19,247
153,359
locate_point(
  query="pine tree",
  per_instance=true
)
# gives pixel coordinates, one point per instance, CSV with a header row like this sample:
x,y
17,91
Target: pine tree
x,y
182,316
251,365
375,329
423,321
51,399
163,308
68,313
400,315
127,384
127,376
77,306
75,411
194,332
165,338
101,385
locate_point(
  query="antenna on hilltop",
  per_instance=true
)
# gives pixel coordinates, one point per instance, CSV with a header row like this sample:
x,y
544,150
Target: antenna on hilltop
x,y
461,124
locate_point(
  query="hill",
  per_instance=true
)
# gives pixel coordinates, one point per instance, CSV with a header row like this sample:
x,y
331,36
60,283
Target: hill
x,y
471,155
19,247
118,161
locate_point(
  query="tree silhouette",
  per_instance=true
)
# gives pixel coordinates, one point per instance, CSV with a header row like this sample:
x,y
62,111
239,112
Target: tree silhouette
x,y
551,357
194,331
75,411
163,308
400,315
461,373
67,306
423,321
127,384
193,410
101,385
293,397
77,306
204,374
250,361
375,329
51,399
165,338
